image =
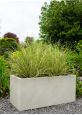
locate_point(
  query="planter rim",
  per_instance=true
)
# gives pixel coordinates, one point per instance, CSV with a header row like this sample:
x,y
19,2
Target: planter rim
x,y
71,75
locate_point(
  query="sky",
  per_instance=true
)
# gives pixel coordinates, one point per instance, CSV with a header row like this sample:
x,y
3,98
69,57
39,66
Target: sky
x,y
20,17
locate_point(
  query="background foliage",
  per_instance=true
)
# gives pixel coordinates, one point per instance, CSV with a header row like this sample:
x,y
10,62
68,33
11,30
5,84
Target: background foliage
x,y
11,35
4,77
61,21
7,45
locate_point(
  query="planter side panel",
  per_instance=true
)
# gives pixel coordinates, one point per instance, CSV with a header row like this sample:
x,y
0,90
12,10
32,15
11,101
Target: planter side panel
x,y
15,91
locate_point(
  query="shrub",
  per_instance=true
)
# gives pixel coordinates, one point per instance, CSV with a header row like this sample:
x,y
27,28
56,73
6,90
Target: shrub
x,y
71,56
79,88
79,58
78,63
4,77
75,63
39,60
79,46
11,35
7,45
61,21
76,59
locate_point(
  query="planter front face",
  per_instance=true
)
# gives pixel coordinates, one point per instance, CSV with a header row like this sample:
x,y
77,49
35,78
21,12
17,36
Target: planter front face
x,y
30,93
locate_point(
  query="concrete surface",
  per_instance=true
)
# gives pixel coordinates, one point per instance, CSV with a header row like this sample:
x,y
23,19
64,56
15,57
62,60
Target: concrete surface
x,y
31,93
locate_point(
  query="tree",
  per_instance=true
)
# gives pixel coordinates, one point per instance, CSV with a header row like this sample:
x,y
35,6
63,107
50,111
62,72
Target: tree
x,y
61,21
11,35
29,39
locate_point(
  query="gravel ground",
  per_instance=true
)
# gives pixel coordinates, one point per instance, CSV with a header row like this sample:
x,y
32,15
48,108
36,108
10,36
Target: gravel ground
x,y
70,108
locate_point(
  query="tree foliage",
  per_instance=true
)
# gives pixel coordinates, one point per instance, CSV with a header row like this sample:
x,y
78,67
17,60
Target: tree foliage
x,y
29,39
61,21
11,35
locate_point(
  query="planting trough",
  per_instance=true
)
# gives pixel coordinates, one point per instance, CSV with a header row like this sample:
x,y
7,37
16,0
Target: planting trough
x,y
31,93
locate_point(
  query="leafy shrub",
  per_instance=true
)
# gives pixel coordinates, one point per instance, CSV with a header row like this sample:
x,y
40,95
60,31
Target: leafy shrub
x,y
75,59
39,60
11,35
71,61
75,63
79,64
7,45
4,77
79,46
61,21
79,88
79,58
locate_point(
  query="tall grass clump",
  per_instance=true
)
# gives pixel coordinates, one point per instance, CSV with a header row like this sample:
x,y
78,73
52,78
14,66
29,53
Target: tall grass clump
x,y
39,60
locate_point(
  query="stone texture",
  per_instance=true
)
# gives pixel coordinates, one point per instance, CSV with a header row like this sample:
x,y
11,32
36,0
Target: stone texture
x,y
70,108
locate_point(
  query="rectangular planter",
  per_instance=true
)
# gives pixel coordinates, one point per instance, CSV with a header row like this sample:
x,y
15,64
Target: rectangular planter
x,y
30,93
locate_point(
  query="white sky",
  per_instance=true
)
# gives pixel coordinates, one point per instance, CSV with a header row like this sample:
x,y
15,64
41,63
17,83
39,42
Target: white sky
x,y
20,17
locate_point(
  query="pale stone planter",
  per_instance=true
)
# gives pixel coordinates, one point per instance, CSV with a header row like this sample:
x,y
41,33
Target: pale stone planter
x,y
30,93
